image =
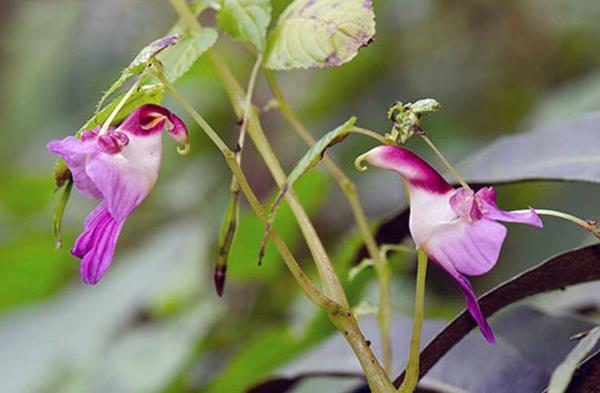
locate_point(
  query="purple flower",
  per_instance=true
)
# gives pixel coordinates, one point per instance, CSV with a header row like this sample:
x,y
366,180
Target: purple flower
x,y
457,229
119,168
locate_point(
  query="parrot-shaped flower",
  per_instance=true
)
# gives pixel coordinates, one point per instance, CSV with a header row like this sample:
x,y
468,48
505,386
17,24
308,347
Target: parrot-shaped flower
x,y
118,167
457,228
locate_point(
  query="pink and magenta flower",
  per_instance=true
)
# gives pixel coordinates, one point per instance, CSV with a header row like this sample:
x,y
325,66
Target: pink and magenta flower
x,y
457,228
119,167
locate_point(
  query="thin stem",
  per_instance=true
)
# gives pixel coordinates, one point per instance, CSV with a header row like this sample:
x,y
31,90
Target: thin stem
x,y
118,108
331,282
311,291
454,172
186,15
412,370
349,190
378,380
369,133
590,226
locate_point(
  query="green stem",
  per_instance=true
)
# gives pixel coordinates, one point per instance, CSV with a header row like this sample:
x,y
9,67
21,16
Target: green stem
x,y
311,291
370,134
454,172
343,319
590,226
119,106
412,369
332,285
349,190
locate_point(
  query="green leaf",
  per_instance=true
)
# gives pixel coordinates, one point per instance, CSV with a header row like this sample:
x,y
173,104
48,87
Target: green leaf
x,y
559,381
320,33
59,212
139,63
306,163
179,59
246,20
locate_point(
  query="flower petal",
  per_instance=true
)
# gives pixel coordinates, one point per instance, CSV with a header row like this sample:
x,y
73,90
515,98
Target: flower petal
x,y
75,151
96,245
418,173
487,196
473,306
124,184
469,248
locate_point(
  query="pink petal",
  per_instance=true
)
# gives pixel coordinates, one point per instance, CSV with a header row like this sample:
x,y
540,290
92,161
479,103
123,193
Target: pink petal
x,y
488,200
469,248
96,245
75,151
123,184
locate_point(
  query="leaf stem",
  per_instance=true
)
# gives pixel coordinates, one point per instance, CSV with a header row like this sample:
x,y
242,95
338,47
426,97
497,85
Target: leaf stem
x,y
349,190
412,369
119,106
454,172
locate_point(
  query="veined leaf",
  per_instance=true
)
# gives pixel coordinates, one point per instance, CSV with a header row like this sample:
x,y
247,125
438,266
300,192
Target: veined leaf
x,y
246,20
320,33
306,163
138,64
179,59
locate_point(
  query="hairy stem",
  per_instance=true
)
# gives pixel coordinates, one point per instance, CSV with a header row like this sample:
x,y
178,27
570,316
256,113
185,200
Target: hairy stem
x,y
412,369
349,190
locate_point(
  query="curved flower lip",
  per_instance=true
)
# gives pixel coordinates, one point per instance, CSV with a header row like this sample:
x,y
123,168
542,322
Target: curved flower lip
x,y
457,229
150,118
119,168
411,167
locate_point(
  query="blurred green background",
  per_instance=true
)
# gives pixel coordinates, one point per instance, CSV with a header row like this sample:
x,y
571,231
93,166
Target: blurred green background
x,y
154,323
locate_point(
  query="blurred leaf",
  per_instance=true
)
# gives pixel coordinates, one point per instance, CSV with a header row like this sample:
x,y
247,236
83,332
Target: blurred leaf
x,y
569,268
561,377
320,33
30,270
564,151
24,195
310,159
246,20
86,331
179,59
244,252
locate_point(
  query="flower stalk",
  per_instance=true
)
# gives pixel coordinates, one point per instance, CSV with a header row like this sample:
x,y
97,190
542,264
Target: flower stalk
x,y
411,377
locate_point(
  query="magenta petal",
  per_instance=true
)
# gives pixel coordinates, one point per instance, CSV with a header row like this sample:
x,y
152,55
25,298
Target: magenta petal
x,y
473,307
418,173
96,245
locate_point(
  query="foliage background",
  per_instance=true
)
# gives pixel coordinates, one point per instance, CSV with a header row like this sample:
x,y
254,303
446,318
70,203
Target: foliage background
x,y
155,323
